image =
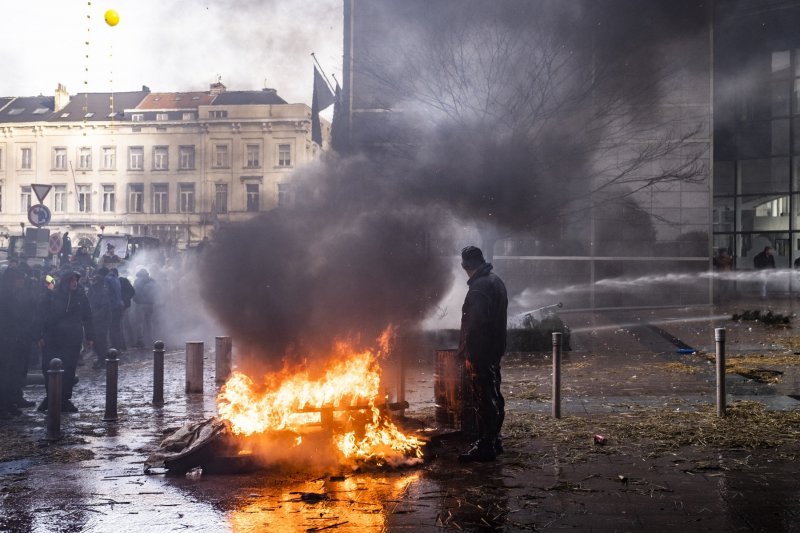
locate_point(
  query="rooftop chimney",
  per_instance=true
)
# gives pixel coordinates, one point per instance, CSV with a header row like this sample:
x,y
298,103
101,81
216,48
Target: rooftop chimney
x,y
61,99
217,88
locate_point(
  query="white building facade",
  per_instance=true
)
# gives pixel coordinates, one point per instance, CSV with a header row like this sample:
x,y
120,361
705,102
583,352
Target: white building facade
x,y
170,165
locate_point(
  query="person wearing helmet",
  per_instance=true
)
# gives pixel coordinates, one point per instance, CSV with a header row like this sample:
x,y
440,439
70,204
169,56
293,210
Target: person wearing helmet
x,y
482,345
67,320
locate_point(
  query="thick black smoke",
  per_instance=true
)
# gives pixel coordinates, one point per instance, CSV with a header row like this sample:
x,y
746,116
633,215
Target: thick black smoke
x,y
349,258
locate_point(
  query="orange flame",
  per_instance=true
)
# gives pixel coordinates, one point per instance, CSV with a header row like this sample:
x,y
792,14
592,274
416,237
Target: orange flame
x,y
345,400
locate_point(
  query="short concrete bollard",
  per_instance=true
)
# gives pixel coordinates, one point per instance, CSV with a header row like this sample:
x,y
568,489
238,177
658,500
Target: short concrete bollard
x,y
556,374
194,367
719,337
158,373
112,373
55,375
222,361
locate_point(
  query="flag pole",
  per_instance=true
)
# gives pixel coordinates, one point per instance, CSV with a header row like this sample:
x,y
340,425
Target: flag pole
x,y
324,76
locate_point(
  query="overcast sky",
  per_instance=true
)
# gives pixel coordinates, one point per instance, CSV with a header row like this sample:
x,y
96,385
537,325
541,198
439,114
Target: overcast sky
x,y
168,45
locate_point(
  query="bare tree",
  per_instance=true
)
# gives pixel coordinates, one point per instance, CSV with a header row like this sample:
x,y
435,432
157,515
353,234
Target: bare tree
x,y
529,113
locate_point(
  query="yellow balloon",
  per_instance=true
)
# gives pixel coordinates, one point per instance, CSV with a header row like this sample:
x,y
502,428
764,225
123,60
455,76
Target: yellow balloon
x,y
112,17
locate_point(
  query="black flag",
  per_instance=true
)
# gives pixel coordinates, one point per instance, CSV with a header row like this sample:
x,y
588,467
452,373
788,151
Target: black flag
x,y
322,98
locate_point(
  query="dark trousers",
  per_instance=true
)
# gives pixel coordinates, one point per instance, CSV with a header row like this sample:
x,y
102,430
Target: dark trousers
x,y
117,340
69,354
19,368
101,328
489,403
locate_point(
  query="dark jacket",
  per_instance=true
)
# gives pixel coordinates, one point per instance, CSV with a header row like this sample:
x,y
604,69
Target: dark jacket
x,y
127,292
762,261
483,318
100,300
67,315
145,290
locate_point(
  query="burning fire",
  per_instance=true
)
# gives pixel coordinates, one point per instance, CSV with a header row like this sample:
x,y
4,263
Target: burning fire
x,y
345,400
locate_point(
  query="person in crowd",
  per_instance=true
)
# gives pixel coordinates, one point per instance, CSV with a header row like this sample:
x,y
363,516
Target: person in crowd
x,y
145,300
127,293
100,303
764,261
66,249
82,257
482,345
723,264
67,320
14,337
115,291
110,259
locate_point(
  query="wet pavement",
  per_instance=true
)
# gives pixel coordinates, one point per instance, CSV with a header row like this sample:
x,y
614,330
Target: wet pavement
x,y
551,476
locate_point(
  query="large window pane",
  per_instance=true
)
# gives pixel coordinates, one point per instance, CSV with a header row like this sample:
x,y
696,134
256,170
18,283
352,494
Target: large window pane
x,y
764,213
780,137
764,175
724,177
754,140
723,214
780,98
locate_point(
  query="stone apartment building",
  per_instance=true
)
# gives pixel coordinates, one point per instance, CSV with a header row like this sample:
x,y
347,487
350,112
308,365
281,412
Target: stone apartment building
x,y
173,165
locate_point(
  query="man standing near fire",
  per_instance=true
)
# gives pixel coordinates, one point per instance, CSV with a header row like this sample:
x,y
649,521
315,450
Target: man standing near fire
x,y
482,345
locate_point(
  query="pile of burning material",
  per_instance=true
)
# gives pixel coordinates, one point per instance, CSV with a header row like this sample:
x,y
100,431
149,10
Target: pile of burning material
x,y
338,417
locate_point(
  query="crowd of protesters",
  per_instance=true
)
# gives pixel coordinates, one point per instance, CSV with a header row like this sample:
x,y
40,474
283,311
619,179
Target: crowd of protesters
x,y
75,313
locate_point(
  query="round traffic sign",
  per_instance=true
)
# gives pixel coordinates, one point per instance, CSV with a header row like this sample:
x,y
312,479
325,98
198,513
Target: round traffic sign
x,y
39,215
55,243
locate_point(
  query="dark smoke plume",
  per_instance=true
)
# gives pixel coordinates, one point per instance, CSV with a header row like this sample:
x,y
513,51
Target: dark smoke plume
x,y
349,258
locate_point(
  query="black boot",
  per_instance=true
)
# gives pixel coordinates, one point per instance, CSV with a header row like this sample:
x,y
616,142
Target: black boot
x,y
42,406
481,452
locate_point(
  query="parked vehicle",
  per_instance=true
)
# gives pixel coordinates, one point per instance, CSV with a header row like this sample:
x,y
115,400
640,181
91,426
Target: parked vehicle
x,y
128,247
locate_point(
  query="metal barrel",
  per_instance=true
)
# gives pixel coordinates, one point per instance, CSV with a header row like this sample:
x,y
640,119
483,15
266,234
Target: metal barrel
x,y
194,367
453,399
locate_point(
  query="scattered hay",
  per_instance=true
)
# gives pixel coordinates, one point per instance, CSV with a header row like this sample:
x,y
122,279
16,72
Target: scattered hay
x,y
655,432
17,444
753,366
681,368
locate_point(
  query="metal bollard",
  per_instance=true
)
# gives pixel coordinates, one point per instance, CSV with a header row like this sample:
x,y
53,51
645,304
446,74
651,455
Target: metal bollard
x,y
55,374
719,337
194,367
222,362
112,374
158,373
556,374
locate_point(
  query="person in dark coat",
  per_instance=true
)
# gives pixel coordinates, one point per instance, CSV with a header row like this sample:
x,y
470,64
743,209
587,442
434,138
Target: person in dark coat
x,y
482,345
67,320
127,292
117,306
82,257
145,300
764,261
13,337
66,248
100,303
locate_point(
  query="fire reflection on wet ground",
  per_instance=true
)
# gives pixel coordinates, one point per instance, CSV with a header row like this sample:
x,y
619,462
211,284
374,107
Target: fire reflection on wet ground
x,y
362,502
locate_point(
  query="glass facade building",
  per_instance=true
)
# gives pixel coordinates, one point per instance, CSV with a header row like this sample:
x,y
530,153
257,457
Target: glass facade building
x,y
757,130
